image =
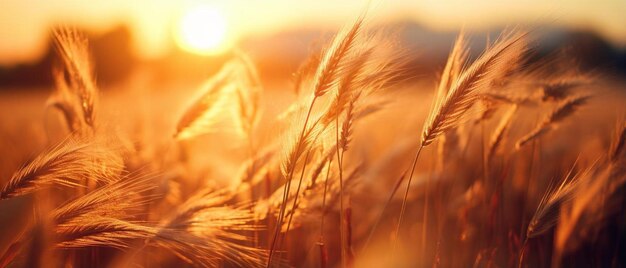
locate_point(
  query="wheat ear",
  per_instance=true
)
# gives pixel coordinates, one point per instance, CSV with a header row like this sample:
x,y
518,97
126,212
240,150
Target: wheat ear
x,y
326,76
73,48
562,111
449,110
200,116
67,164
501,129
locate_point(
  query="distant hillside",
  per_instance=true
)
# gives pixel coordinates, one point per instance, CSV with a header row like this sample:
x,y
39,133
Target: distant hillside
x,y
279,55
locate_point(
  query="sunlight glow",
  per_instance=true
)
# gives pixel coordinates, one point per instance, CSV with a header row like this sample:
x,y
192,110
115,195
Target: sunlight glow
x,y
203,30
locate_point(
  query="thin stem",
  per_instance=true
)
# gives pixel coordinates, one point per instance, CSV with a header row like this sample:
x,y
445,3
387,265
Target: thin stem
x,y
322,245
281,214
406,194
251,172
470,133
483,157
382,213
484,153
425,216
521,254
341,216
526,190
295,199
324,201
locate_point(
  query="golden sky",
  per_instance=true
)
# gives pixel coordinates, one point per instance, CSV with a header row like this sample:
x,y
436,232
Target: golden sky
x,y
25,22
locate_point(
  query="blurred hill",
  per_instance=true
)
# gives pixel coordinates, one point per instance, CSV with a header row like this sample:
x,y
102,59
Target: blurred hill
x,y
277,56
110,51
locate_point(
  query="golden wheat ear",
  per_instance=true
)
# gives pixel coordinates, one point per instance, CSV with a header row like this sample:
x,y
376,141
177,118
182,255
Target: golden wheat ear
x,y
249,90
208,251
564,110
451,71
200,117
450,108
557,91
305,71
63,100
331,64
121,199
347,86
74,51
211,228
100,231
547,213
454,66
329,70
499,133
68,164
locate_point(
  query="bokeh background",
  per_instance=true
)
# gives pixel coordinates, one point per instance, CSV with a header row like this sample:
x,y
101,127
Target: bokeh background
x,y
143,38
150,58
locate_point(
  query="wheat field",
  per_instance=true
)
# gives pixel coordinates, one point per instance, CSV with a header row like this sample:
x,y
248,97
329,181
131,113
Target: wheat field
x,y
503,159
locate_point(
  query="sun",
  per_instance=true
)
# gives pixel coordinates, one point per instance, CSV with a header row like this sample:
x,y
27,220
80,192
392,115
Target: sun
x,y
202,30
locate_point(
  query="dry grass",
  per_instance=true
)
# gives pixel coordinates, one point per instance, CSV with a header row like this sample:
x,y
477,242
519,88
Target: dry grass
x,y
255,176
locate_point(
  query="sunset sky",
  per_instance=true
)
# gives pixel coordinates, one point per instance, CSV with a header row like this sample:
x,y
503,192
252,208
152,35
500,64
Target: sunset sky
x,y
156,24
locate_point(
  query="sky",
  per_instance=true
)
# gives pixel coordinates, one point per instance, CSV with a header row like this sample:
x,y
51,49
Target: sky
x,y
25,23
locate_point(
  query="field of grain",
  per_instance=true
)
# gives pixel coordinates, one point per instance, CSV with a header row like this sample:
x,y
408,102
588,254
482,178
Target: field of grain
x,y
504,159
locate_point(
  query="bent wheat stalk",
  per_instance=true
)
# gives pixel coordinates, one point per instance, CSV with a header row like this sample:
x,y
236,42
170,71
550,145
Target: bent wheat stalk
x,y
117,200
67,164
342,146
564,110
100,231
498,134
73,48
212,227
326,76
200,116
547,213
449,110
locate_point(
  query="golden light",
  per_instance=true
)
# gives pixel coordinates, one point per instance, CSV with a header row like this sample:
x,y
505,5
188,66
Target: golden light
x,y
203,30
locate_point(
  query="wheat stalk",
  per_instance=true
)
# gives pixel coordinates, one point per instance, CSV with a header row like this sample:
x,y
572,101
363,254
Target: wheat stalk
x,y
67,164
207,220
564,110
248,96
250,172
312,205
210,251
347,86
331,63
547,214
73,48
558,90
509,98
200,116
589,193
341,147
305,71
501,129
326,76
452,70
273,202
203,199
448,111
63,100
120,199
100,231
